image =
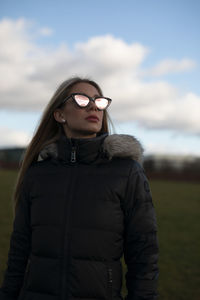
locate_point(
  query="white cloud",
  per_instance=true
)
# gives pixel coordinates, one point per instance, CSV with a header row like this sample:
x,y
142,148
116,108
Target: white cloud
x,y
170,66
30,74
165,148
112,53
12,138
45,31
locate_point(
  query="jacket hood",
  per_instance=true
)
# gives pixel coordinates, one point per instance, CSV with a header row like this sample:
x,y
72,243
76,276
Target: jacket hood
x,y
110,146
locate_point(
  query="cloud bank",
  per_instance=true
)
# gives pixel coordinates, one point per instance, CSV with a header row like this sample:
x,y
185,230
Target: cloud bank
x,y
30,74
12,137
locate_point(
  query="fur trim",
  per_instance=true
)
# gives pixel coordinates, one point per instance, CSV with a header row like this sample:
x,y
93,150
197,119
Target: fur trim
x,y
115,145
123,145
48,151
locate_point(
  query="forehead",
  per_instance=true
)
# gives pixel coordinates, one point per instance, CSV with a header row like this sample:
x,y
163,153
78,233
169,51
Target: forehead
x,y
85,88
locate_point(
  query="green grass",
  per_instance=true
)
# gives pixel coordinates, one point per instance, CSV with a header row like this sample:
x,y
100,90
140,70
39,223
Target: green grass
x,y
178,213
7,182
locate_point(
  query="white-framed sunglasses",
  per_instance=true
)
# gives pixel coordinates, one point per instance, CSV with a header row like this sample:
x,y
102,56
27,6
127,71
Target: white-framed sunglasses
x,y
83,100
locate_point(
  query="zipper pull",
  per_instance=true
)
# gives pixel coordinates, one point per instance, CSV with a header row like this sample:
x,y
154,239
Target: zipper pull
x,y
73,155
110,276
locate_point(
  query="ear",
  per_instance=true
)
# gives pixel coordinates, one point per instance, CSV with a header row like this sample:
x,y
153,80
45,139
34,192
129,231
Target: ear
x,y
58,116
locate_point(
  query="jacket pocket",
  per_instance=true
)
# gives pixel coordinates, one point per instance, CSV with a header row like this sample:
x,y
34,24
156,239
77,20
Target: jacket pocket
x,y
110,281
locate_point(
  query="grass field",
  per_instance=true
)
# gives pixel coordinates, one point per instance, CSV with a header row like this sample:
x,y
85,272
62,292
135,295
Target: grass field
x,y
178,213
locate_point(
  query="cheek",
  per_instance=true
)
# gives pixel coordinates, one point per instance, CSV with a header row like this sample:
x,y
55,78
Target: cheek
x,y
71,114
101,115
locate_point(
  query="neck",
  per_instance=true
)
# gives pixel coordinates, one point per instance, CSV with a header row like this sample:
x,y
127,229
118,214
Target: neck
x,y
80,135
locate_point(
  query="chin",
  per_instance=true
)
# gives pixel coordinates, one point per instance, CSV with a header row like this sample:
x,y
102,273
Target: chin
x,y
91,132
93,129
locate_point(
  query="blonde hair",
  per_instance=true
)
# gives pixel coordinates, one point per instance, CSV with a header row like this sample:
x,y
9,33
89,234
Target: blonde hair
x,y
49,130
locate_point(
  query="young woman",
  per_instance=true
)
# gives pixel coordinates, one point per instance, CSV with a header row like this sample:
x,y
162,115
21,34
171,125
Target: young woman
x,y
82,201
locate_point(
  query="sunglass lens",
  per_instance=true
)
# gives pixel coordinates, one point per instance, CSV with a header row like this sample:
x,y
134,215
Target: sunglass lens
x,y
101,103
81,100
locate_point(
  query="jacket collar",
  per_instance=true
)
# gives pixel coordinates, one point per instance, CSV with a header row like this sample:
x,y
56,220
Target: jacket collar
x,y
80,150
94,149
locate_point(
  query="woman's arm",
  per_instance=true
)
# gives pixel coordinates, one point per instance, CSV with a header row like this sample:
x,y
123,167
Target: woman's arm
x,y
140,244
19,250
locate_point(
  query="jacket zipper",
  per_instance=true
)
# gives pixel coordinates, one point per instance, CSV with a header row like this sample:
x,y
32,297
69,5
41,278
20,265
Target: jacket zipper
x,y
73,154
110,281
66,248
66,231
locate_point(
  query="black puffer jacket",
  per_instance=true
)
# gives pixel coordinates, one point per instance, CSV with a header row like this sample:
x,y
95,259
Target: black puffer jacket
x,y
84,205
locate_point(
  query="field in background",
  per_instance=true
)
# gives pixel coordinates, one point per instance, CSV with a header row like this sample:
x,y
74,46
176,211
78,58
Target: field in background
x,y
178,213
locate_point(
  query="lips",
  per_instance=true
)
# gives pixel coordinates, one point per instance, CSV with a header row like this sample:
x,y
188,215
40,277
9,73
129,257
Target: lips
x,y
92,118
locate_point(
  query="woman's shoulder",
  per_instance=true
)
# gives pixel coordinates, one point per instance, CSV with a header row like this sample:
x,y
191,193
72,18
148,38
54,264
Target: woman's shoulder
x,y
38,167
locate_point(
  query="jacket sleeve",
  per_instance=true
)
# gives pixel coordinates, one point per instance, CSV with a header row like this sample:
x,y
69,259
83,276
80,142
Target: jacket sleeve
x,y
19,250
140,242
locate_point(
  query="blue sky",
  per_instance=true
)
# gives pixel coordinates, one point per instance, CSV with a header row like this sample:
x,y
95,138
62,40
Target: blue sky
x,y
162,35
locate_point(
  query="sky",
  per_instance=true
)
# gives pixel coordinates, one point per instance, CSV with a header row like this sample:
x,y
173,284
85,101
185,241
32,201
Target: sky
x,y
144,54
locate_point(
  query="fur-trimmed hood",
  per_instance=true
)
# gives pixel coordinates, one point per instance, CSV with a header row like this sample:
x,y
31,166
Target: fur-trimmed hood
x,y
112,146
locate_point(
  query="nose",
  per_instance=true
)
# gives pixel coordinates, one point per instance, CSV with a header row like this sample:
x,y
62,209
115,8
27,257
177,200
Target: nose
x,y
92,106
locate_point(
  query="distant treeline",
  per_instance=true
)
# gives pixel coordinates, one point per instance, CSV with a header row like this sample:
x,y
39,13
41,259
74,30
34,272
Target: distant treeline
x,y
165,167
172,168
10,158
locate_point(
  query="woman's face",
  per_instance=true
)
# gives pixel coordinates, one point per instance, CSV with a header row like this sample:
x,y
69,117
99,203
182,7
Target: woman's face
x,y
81,122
